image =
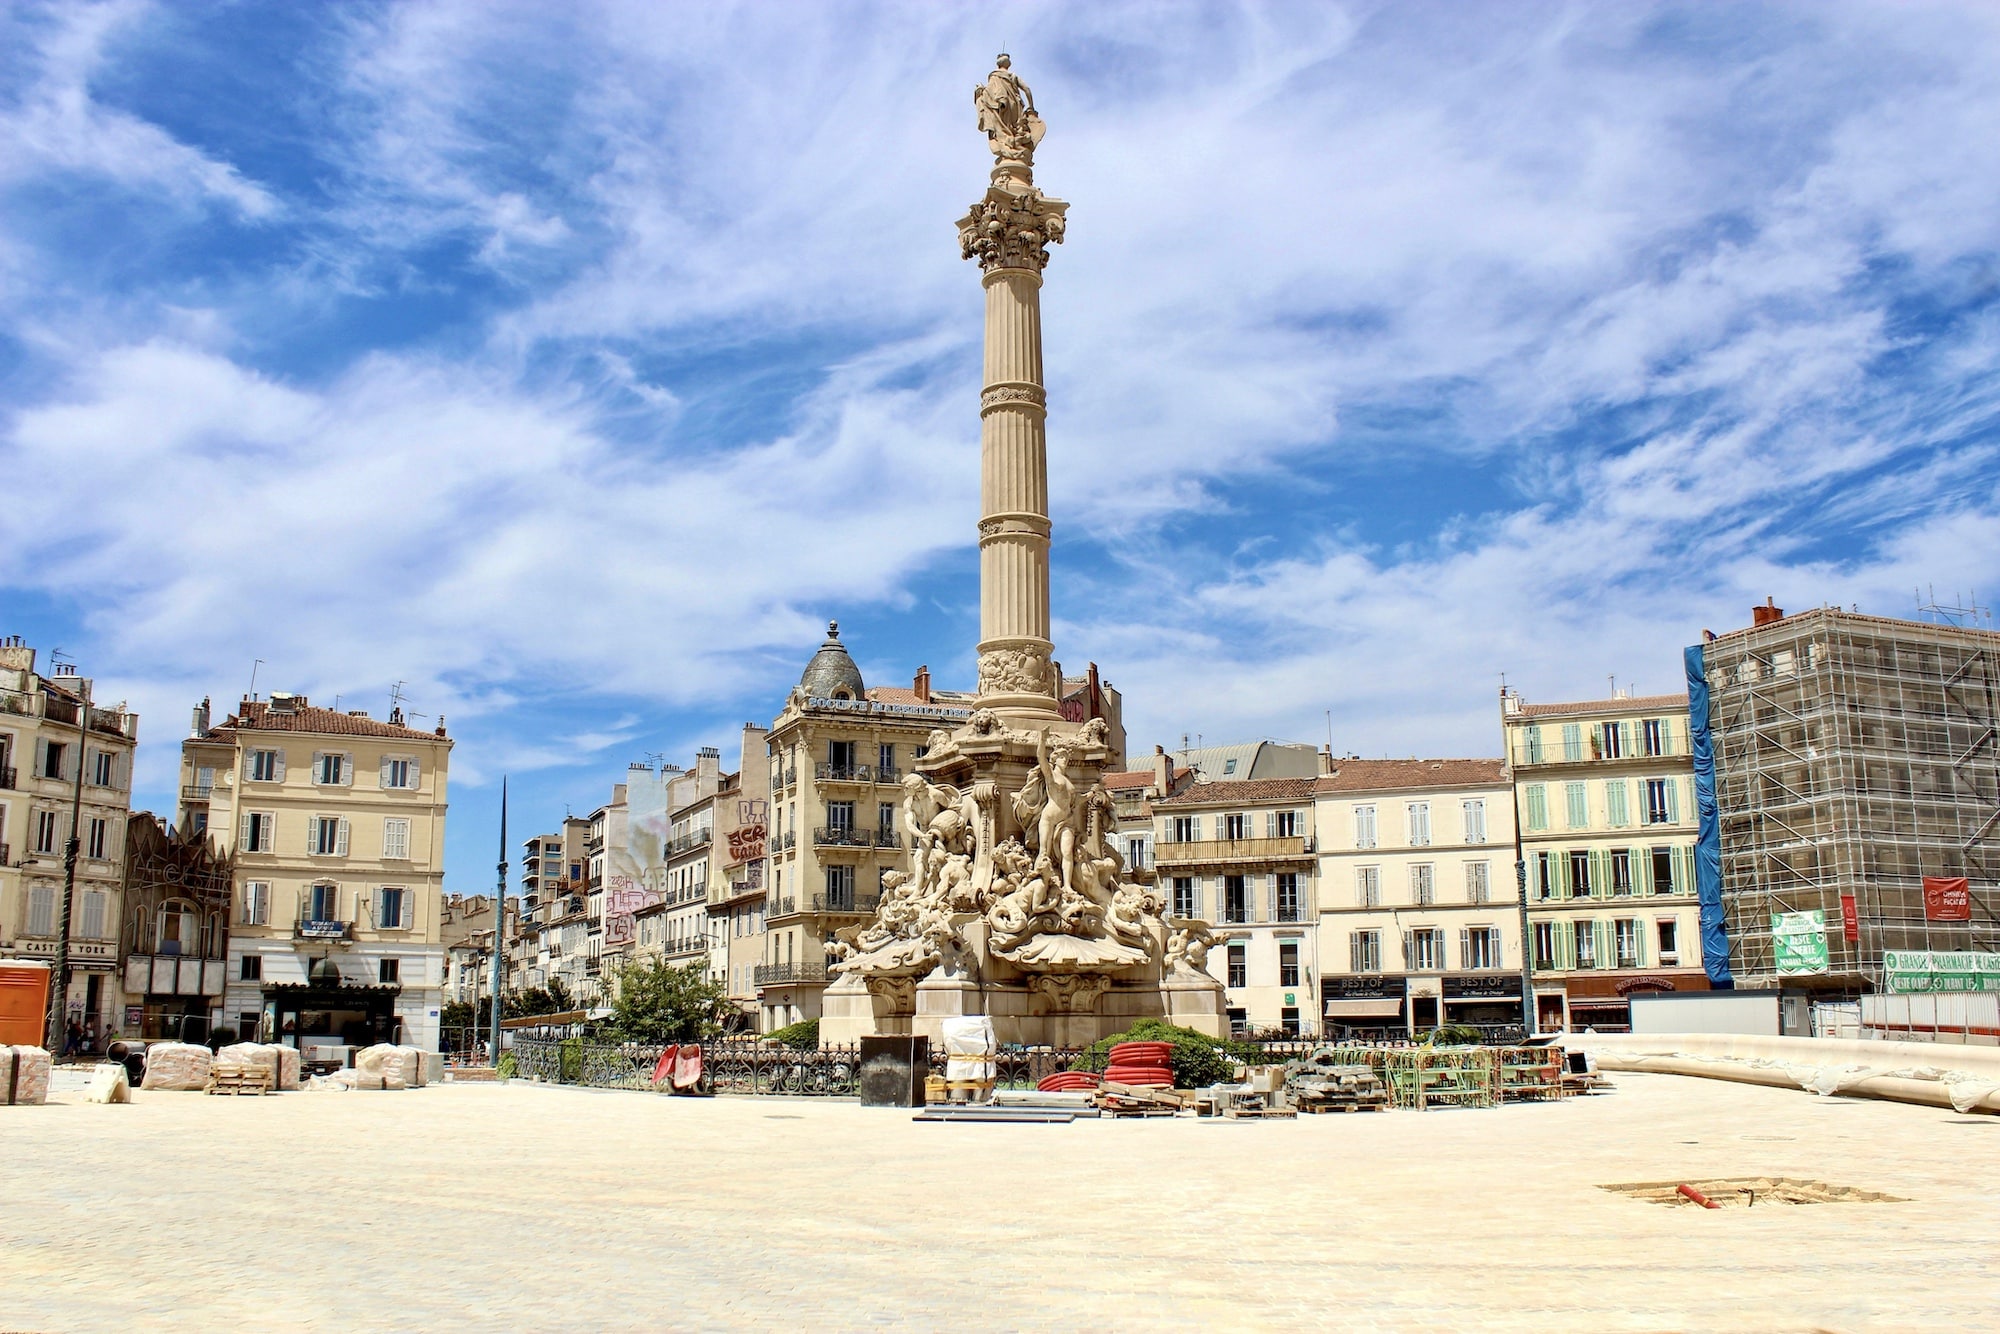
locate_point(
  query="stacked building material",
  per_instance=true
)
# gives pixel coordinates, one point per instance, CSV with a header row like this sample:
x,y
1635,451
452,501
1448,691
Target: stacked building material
x,y
969,1051
1142,1065
1068,1081
282,1061
1529,1073
24,1076
1421,1078
180,1067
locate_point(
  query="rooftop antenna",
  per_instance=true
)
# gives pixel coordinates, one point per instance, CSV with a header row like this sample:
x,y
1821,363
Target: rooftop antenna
x,y
1329,731
253,677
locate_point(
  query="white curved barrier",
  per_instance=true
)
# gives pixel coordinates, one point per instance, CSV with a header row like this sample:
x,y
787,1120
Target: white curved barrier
x,y
1966,1079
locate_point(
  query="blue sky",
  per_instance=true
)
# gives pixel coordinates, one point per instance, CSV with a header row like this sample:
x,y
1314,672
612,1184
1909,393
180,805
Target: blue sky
x,y
574,364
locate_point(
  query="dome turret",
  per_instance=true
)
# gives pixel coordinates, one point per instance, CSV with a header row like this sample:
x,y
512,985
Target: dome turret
x,y
832,674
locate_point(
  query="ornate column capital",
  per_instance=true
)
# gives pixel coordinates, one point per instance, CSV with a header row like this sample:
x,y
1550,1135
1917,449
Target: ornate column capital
x,y
1011,229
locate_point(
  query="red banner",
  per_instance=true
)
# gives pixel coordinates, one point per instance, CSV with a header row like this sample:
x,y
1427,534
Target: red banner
x,y
1850,918
1947,899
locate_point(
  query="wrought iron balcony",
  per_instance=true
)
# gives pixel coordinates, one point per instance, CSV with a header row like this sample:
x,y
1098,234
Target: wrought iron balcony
x,y
777,974
785,907
844,773
1235,914
845,903
697,838
888,773
189,791
6,855
845,836
7,776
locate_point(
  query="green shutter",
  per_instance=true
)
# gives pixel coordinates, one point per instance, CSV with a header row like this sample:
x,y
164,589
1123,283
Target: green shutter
x,y
1639,943
1625,740
1565,946
1600,873
1666,736
1674,800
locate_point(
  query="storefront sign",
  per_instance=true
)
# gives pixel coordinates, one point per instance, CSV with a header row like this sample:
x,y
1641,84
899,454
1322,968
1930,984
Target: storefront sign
x,y
1507,988
1798,941
323,930
1947,899
1367,985
1850,918
1906,971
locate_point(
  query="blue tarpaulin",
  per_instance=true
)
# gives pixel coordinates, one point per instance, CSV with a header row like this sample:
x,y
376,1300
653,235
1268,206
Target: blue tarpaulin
x,y
1708,838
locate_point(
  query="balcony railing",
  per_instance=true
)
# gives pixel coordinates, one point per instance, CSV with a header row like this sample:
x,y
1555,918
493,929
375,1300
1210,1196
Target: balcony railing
x,y
1290,914
7,777
784,842
693,839
844,773
770,974
845,903
1235,914
1233,850
888,773
843,836
189,791
6,855
776,907
593,966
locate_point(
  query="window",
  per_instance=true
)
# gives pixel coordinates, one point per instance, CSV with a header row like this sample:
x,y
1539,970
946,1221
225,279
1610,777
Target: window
x,y
1669,937
1368,886
100,830
1288,897
199,819
1479,947
1420,824
323,903
175,928
1184,830
1577,797
1545,945
1288,963
1586,944
1364,951
1663,871
1617,806
1135,853
1364,826
1286,824
1653,736
329,836
330,770
1579,874
256,902
389,910
1572,742
390,972
47,825
1537,796
103,768
1235,902
840,886
1425,948
1288,1021
1625,938
1621,871
1423,884
1548,874
1611,741
42,910
1475,821
1239,966
1660,801
251,968
395,839
885,819
1533,738
1184,899
1232,827
52,758
93,914
1478,882
840,756
885,757
1228,767
259,832
399,773
840,815
267,766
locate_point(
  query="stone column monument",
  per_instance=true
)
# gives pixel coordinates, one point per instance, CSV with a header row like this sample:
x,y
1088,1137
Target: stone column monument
x,y
1014,901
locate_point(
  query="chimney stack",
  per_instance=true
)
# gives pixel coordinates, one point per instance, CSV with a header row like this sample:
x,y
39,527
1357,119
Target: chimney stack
x,y
1767,614
922,685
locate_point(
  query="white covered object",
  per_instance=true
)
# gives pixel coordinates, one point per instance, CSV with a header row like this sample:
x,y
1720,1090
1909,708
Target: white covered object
x,y
413,1066
282,1061
108,1084
24,1076
384,1066
957,1068
177,1067
968,1035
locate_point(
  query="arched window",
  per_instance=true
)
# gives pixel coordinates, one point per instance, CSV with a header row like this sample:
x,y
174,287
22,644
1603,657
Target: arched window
x,y
175,928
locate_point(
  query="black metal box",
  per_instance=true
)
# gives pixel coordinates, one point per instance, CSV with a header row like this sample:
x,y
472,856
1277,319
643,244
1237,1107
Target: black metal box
x,y
893,1070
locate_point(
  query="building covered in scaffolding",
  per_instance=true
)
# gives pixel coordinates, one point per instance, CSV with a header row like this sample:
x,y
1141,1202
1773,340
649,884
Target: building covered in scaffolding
x,y
1855,759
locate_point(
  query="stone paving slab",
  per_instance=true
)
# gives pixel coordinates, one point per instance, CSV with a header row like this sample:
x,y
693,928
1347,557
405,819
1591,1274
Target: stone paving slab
x,y
523,1207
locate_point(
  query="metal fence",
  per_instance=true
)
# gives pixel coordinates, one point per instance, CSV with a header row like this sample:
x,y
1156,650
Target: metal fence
x,y
748,1067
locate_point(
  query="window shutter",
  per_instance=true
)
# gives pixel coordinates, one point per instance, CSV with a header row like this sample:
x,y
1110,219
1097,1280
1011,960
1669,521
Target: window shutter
x,y
1559,941
1409,951
340,839
278,775
1666,736
319,765
243,832
414,766
1270,898
1464,948
1674,800
1625,739
1194,829
1639,944
382,773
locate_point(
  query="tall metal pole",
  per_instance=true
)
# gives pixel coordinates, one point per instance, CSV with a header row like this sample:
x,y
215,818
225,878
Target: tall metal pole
x,y
59,1001
499,922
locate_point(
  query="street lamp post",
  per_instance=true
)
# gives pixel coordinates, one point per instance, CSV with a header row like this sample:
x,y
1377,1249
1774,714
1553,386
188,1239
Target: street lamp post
x,y
59,997
499,924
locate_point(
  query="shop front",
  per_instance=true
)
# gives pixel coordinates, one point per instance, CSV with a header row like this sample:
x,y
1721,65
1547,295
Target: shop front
x,y
1604,1004
329,1013
1368,1007
1486,1000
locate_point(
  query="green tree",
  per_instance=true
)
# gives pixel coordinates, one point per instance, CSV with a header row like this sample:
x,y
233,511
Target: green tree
x,y
657,1002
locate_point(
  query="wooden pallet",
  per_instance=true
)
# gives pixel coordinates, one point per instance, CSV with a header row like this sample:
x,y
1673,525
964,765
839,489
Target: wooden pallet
x,y
1322,1108
1261,1114
240,1080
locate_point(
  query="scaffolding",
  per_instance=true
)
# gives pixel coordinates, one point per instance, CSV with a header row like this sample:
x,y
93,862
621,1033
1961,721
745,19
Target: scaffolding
x,y
1855,755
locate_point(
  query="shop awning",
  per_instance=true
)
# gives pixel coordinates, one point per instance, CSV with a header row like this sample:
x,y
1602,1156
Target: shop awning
x,y
1375,1008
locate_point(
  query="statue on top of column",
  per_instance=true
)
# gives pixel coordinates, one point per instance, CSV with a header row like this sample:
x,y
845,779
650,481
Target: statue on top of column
x,y
1007,114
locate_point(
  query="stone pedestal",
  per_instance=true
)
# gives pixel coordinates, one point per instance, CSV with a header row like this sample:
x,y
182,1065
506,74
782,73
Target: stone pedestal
x,y
1196,1001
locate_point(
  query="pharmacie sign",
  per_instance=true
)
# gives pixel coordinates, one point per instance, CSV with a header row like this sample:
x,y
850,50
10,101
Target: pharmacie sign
x,y
1908,971
1798,940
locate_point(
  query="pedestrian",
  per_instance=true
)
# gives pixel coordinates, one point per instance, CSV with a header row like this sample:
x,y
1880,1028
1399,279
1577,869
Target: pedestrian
x,y
72,1040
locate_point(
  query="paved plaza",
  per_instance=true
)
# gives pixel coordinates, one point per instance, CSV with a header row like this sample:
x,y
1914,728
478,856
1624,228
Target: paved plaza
x,y
549,1208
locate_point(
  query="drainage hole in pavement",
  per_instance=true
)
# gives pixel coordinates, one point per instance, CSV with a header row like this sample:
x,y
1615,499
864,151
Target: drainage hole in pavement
x,y
1748,1192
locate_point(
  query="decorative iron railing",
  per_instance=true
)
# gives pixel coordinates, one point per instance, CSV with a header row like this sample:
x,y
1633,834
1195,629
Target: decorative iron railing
x,y
748,1068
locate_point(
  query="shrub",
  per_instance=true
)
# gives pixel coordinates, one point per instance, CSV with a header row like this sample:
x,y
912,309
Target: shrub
x,y
802,1036
1454,1035
1198,1060
508,1067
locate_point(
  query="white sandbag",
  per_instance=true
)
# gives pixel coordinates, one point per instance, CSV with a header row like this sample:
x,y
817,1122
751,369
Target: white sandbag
x,y
958,1067
340,1081
178,1067
281,1061
108,1084
24,1076
382,1066
969,1035
413,1066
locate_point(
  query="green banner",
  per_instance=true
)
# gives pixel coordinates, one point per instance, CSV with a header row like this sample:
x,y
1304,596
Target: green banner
x,y
1906,971
1798,939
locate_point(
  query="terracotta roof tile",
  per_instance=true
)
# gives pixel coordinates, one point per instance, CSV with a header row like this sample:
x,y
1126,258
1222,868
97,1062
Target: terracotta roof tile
x,y
893,695
1128,779
1249,793
1393,775
256,716
1604,706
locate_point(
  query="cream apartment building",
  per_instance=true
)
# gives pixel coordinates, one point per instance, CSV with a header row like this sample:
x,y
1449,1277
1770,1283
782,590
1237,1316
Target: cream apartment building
x,y
837,755
1242,855
1418,914
45,738
1605,790
336,820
